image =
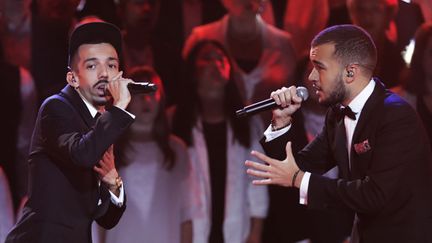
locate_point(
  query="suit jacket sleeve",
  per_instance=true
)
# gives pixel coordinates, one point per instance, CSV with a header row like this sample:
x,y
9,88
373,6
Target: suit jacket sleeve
x,y
69,140
108,214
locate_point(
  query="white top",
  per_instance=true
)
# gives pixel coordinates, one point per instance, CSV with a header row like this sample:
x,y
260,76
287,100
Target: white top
x,y
243,200
158,200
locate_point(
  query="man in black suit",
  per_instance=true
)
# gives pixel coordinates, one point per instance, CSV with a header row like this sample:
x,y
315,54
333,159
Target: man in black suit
x,y
73,180
384,175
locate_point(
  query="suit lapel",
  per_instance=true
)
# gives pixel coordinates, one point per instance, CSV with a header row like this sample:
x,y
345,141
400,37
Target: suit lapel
x,y
99,192
340,148
366,124
73,97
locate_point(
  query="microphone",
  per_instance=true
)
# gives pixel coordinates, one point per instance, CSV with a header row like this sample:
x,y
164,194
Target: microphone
x,y
268,104
141,87
138,88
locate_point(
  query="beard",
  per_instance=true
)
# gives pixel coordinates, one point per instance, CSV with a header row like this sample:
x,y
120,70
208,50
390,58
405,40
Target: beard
x,y
338,92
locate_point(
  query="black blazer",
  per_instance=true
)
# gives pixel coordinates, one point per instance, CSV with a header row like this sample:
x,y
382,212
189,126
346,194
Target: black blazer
x,y
64,193
389,184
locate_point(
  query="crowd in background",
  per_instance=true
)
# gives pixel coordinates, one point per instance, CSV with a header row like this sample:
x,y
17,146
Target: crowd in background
x,y
182,160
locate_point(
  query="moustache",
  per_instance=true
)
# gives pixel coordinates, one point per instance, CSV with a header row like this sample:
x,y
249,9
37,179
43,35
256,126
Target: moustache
x,y
102,81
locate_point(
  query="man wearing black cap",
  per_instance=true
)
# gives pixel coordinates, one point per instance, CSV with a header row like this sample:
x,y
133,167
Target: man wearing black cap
x,y
73,180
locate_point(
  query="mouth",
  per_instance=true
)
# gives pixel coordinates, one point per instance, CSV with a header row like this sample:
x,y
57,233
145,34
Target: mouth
x,y
100,86
316,87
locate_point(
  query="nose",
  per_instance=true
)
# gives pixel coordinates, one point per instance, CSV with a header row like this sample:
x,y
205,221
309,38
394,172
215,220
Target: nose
x,y
103,72
313,76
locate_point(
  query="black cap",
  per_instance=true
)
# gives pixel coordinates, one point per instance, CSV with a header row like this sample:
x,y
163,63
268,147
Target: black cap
x,y
95,33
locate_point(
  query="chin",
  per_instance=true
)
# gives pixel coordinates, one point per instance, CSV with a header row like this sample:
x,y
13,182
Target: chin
x,y
101,101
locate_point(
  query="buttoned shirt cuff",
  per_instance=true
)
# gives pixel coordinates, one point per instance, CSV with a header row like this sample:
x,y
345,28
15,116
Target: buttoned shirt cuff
x,y
118,201
304,185
270,135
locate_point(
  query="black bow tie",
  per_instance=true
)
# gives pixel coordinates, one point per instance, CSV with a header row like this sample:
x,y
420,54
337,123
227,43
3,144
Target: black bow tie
x,y
341,112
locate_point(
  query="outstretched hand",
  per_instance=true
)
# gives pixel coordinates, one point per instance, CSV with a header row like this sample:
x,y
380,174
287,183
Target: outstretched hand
x,y
275,171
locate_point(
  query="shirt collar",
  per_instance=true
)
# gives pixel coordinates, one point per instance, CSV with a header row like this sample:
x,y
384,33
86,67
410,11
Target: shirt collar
x,y
359,101
90,107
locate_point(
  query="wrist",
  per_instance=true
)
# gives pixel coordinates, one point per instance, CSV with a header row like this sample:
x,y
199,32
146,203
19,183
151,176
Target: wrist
x,y
280,123
297,178
121,105
118,183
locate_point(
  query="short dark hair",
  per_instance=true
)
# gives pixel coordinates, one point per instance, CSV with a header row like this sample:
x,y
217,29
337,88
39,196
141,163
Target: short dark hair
x,y
94,33
352,45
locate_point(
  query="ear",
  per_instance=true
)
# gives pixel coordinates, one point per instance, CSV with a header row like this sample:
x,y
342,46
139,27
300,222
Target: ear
x,y
72,81
351,71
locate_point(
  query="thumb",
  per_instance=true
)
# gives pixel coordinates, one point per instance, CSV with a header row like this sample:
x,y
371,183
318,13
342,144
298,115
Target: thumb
x,y
288,151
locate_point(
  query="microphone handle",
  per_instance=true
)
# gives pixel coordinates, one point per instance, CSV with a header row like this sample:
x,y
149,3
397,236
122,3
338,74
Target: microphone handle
x,y
141,87
257,107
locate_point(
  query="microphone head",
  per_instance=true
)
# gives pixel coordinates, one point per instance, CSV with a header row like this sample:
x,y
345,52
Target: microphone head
x,y
302,92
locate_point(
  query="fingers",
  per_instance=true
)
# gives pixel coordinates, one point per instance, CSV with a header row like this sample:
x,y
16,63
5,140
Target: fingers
x,y
257,166
98,169
263,157
263,182
258,173
259,170
286,96
281,97
288,150
111,148
118,76
295,98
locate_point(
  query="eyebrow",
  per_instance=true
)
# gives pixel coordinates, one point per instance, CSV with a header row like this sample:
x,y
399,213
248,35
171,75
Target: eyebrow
x,y
318,63
95,59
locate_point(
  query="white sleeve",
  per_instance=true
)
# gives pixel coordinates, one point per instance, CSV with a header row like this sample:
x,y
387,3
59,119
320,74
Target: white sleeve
x,y
270,135
304,186
118,201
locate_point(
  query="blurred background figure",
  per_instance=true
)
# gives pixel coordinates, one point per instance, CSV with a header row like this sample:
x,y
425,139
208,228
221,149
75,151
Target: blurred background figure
x,y
231,208
52,21
20,106
7,219
156,168
17,31
266,64
181,16
146,43
426,8
302,19
377,18
418,86
106,10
